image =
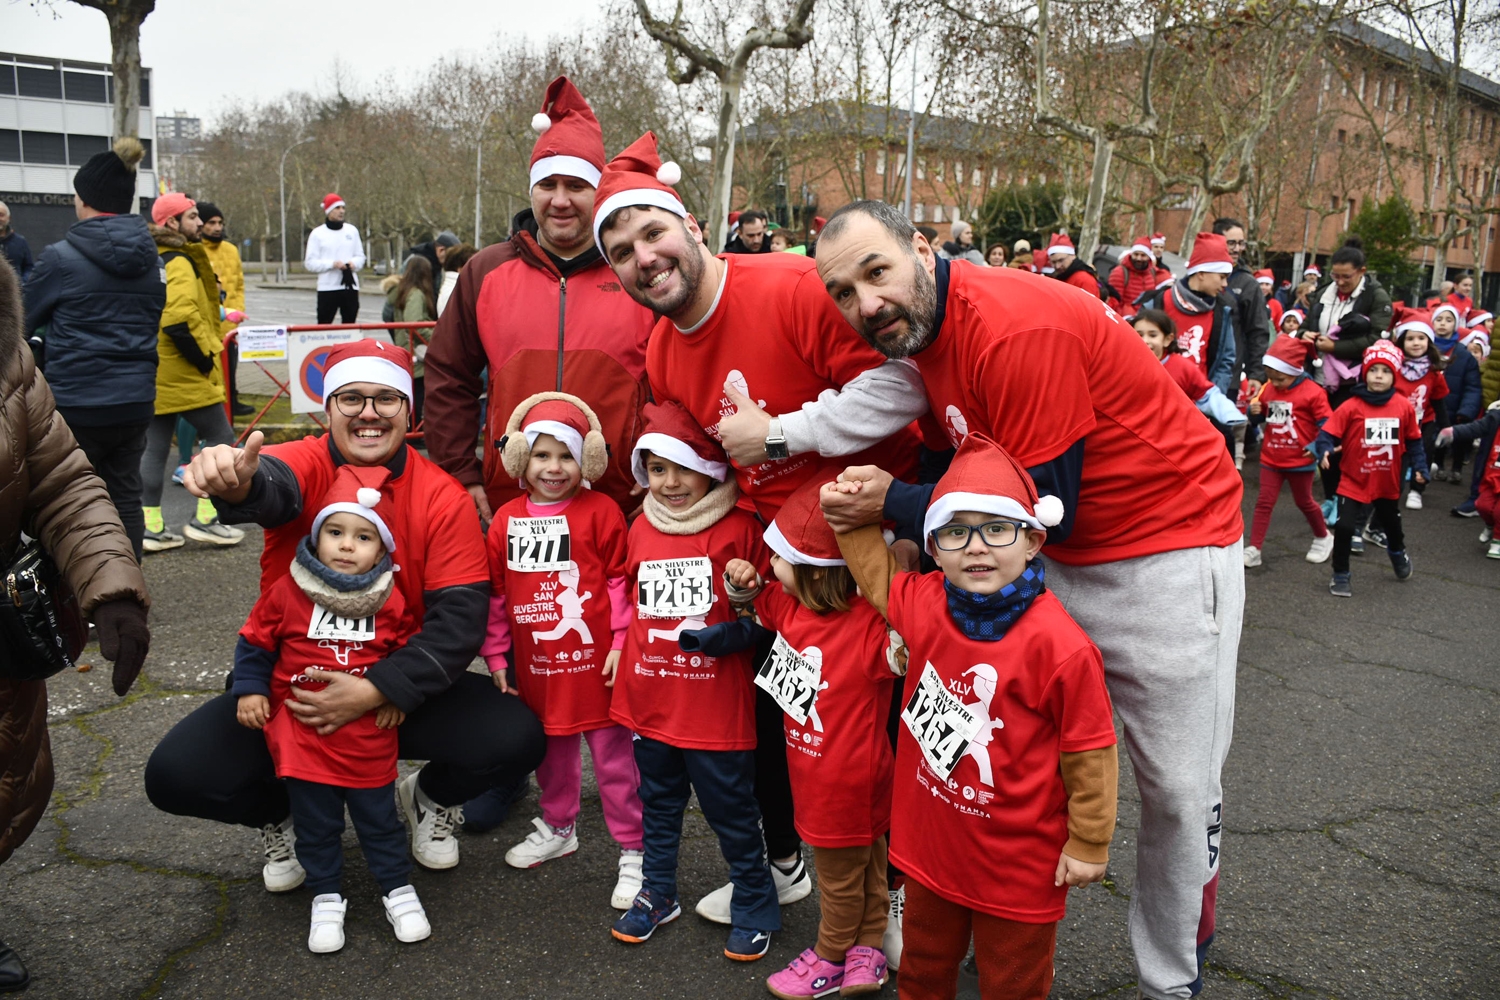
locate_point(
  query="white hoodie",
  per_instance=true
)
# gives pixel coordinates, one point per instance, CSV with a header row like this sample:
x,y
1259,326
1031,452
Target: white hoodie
x,y
324,246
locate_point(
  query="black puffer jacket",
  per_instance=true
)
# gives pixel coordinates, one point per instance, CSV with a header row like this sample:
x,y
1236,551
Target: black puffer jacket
x,y
100,294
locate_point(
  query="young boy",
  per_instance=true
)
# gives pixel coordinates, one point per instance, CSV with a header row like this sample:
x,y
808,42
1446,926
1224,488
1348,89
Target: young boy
x,y
337,611
1006,768
1376,429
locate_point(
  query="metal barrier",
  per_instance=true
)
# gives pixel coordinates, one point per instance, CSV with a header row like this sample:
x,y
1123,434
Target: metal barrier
x,y
418,334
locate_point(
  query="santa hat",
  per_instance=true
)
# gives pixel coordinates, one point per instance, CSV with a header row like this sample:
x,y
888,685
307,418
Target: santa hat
x,y
1039,260
1407,318
1312,269
569,141
170,206
1383,352
1265,276
1296,314
984,477
1477,337
368,361
1141,244
673,434
1158,240
1289,355
1480,318
1060,243
818,223
330,202
1210,254
800,533
1167,281
637,177
565,417
356,489
1458,320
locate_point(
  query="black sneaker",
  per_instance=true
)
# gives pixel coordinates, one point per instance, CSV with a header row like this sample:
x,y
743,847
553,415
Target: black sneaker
x,y
1339,586
1401,562
1465,509
242,409
1374,536
1356,546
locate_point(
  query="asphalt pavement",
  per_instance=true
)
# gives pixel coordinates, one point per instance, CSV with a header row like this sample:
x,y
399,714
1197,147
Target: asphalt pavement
x,y
1360,856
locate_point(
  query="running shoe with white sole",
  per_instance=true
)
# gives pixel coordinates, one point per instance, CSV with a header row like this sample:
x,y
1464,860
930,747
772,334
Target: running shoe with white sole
x,y
543,844
178,474
326,934
407,917
434,828
790,888
1252,556
893,937
161,541
628,883
283,872
213,533
1413,500
1320,549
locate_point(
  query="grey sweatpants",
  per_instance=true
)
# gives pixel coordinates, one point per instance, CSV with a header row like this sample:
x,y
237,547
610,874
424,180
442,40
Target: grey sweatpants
x,y
1169,628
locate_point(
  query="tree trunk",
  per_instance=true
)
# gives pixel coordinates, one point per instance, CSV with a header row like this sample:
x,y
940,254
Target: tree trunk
x,y
730,88
1202,200
1093,209
125,60
1440,261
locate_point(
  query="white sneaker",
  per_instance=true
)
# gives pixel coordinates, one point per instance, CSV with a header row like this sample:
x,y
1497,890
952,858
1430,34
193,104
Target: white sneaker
x,y
434,828
1252,556
892,944
1320,549
543,845
1493,552
789,889
628,886
1413,500
283,872
404,910
327,932
1486,535
213,532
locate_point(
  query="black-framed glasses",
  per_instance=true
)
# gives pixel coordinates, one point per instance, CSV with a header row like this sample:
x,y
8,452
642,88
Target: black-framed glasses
x,y
996,534
352,404
1233,244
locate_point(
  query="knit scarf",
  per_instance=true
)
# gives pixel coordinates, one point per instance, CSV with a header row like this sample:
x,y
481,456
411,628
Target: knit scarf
x,y
1372,397
1446,344
1414,368
987,617
345,595
334,224
701,516
1189,300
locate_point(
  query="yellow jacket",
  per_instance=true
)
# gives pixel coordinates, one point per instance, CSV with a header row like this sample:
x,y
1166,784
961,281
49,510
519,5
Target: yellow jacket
x,y
225,258
188,339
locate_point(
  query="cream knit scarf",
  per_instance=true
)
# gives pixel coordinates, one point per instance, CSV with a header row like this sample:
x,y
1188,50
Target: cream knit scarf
x,y
701,516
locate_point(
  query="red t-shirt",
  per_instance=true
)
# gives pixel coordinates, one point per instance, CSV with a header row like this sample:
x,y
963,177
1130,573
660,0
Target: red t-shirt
x,y
777,335
1490,480
988,836
1194,330
304,636
553,572
1374,440
687,700
1188,376
840,759
1423,392
1037,369
1293,417
434,523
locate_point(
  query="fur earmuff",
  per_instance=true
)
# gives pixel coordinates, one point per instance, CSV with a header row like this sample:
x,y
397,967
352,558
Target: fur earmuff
x,y
516,453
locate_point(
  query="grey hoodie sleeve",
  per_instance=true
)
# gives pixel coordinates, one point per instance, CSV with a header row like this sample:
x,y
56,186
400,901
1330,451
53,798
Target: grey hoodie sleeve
x,y
869,408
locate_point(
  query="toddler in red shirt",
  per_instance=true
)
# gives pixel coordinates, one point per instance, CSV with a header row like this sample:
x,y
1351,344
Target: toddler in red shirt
x,y
1420,379
338,610
1293,408
1006,770
1376,430
693,714
1159,333
1488,502
828,672
558,616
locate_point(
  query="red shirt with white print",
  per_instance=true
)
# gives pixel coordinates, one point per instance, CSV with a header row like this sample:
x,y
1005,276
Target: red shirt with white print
x,y
1194,330
988,835
840,758
1374,441
1293,416
551,567
688,700
1423,392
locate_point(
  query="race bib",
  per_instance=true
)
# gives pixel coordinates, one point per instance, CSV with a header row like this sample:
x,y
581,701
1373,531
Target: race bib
x,y
327,625
1382,431
1279,412
537,544
791,680
675,588
941,724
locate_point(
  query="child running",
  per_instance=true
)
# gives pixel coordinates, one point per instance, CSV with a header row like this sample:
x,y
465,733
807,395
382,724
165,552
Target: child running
x,y
693,715
1294,408
1159,333
558,617
1376,429
1006,769
1420,379
337,611
1488,503
828,671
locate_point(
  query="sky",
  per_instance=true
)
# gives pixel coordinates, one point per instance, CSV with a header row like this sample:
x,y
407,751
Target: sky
x,y
207,54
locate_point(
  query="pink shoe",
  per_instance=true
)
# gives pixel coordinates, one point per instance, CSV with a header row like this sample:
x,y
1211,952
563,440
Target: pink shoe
x,y
809,975
864,971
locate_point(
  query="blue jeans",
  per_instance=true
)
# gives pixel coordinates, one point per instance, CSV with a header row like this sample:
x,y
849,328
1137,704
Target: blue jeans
x,y
318,815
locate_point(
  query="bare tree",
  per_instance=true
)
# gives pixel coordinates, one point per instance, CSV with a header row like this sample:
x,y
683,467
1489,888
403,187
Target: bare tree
x,y
125,17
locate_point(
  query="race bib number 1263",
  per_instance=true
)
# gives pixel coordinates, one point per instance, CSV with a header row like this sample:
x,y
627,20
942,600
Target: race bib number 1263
x,y
675,588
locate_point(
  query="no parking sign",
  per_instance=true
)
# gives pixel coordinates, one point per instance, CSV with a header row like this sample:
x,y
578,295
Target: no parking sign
x,y
307,359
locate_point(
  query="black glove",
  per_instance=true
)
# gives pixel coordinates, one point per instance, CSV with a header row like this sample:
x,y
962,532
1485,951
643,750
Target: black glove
x,y
1353,326
124,637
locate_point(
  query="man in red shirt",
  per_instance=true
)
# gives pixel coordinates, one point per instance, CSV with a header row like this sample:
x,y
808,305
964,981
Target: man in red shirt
x,y
1066,266
473,736
1061,383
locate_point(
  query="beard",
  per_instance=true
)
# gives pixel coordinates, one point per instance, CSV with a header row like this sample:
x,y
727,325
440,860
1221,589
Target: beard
x,y
690,268
919,316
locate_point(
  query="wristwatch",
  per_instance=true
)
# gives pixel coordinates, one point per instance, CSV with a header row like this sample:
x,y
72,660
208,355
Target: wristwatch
x,y
776,441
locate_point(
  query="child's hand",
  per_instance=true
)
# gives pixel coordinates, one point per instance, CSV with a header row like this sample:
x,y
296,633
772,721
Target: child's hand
x,y
906,554
850,488
253,710
498,668
611,667
1255,406
1077,873
388,716
742,574
1324,464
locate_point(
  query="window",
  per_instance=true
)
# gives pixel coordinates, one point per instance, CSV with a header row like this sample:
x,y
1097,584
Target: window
x,y
921,168
7,78
880,162
10,145
1379,92
919,212
44,147
953,215
81,147
1342,136
1358,140
859,161
938,173
85,87
994,176
958,172
36,81
900,164
977,179
146,144
1361,85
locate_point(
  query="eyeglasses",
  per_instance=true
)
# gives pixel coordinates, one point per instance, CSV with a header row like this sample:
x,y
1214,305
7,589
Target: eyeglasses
x,y
1232,244
352,404
995,534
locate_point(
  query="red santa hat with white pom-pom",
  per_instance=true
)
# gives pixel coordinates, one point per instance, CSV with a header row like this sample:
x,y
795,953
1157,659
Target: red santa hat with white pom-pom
x,y
636,178
357,489
983,477
800,533
569,140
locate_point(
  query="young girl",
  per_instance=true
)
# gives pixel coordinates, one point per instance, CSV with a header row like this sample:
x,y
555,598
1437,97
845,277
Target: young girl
x,y
1159,333
558,610
1291,322
337,611
1293,408
1420,379
1464,389
828,671
693,715
1377,430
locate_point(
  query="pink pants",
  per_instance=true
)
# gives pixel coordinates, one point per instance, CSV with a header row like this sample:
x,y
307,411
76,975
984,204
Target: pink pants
x,y
561,778
1270,491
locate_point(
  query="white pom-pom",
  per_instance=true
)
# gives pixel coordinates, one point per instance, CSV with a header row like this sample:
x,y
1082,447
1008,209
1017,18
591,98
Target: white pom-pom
x,y
540,122
1049,511
367,497
669,173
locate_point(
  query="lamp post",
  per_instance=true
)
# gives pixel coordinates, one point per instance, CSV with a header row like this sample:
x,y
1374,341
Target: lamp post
x,y
281,273
479,175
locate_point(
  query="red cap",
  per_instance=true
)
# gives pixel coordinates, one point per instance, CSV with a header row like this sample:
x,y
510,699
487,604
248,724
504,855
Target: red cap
x,y
170,206
358,489
565,417
1060,243
1211,254
1383,352
330,202
1265,274
637,177
671,432
1407,318
368,360
800,533
1140,244
570,141
1289,355
984,477
1158,238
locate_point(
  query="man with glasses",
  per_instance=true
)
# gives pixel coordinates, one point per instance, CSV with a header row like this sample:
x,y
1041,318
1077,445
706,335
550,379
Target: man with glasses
x,y
1252,319
473,736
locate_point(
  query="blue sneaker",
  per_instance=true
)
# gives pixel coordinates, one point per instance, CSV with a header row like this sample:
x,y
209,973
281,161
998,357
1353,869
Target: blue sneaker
x,y
745,945
1356,546
1330,512
650,910
1401,563
178,473
1465,509
1339,587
